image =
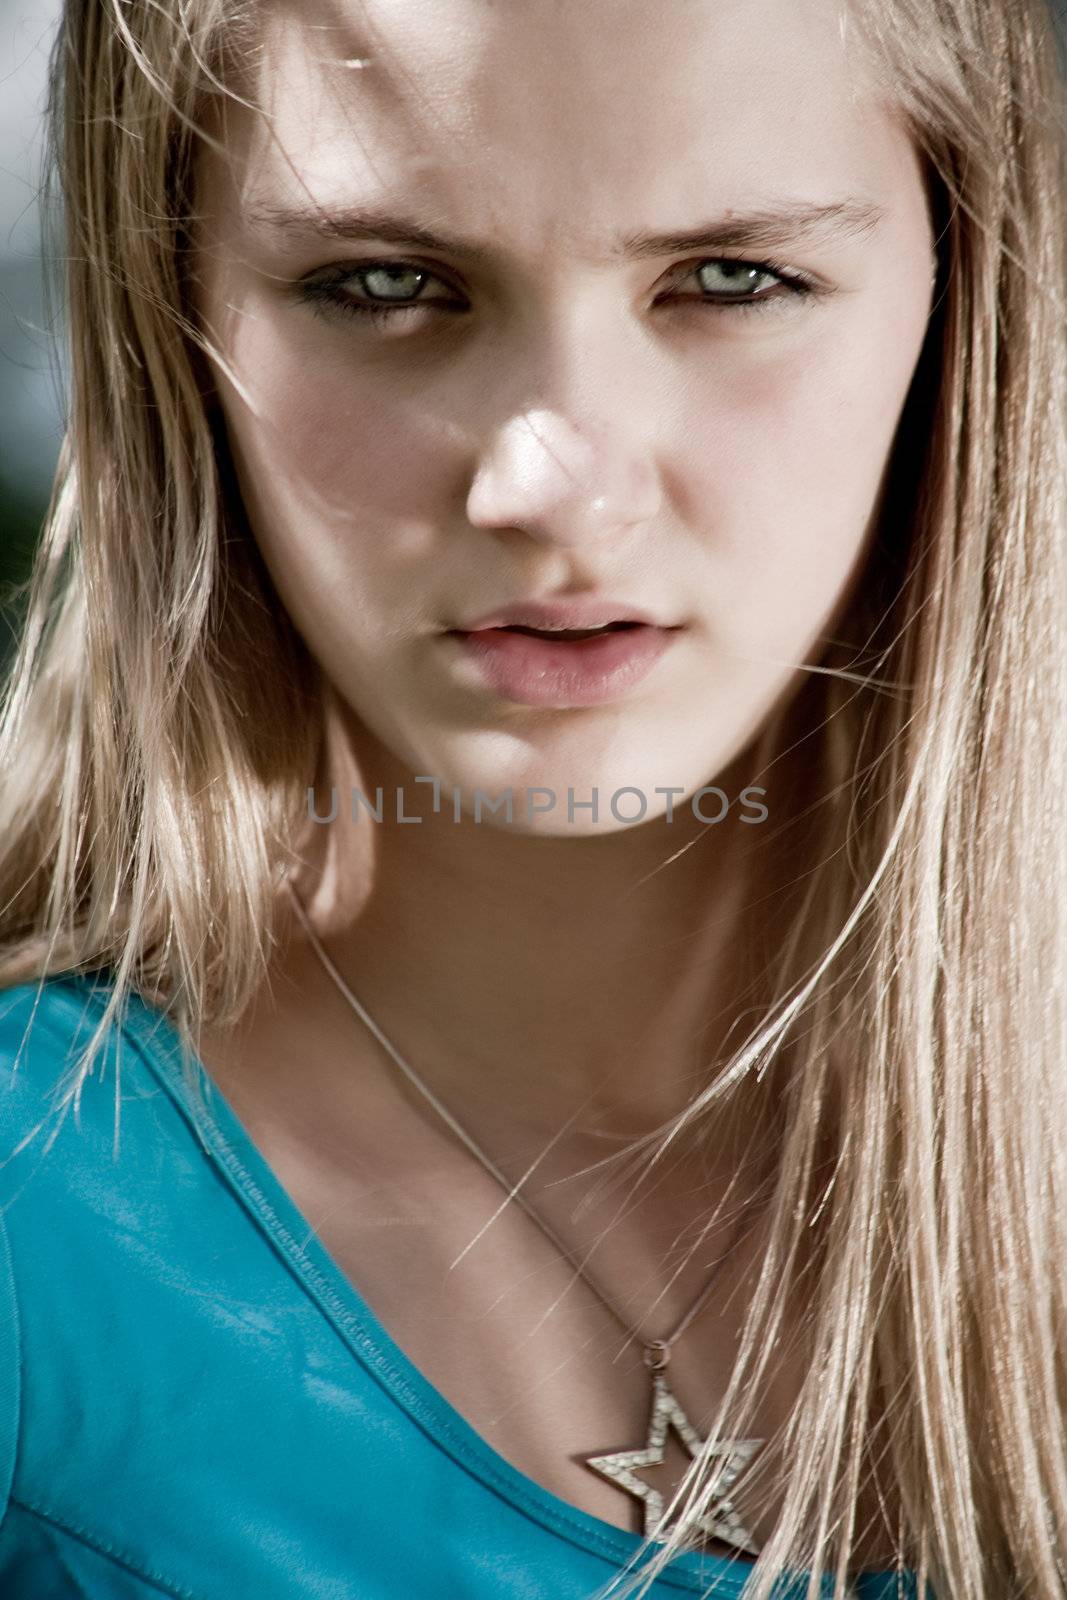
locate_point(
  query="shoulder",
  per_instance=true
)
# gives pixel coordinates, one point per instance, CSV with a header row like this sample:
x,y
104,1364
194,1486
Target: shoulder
x,y
72,1176
105,1192
46,1030
44,1026
38,1035
90,1095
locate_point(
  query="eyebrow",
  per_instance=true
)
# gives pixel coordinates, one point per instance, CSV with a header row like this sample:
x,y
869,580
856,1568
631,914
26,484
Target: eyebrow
x,y
790,222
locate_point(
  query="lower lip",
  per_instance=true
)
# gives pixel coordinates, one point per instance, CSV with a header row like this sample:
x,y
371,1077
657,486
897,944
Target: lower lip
x,y
548,672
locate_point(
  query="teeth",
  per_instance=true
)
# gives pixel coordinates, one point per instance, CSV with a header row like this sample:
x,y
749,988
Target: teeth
x,y
566,633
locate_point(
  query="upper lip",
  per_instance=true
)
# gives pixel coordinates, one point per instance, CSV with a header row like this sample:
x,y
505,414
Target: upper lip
x,y
591,613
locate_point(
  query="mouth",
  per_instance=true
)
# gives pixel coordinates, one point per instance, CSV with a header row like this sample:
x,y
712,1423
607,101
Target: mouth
x,y
555,635
560,666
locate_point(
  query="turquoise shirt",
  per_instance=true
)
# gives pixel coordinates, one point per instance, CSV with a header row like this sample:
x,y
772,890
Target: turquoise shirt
x,y
195,1401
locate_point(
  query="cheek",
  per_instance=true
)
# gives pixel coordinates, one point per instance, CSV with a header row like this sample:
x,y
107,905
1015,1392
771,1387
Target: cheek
x,y
786,477
347,442
348,484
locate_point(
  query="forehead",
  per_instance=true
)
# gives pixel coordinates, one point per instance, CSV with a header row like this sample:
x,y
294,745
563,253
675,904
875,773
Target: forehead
x,y
558,115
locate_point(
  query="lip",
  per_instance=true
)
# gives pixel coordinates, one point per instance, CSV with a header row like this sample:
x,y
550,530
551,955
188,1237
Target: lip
x,y
547,672
589,613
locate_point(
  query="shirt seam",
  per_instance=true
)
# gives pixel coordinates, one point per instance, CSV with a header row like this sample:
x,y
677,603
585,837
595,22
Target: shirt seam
x,y
99,1547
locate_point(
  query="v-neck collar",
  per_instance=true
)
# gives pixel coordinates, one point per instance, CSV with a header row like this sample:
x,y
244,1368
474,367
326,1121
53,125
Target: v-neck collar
x,y
255,1184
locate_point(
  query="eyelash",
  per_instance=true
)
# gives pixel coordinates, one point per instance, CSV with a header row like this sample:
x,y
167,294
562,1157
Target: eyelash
x,y
326,296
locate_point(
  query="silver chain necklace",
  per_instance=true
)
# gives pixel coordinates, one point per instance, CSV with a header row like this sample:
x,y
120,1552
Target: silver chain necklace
x,y
620,1467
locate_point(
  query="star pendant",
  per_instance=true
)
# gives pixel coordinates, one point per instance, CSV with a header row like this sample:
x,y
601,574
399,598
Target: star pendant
x,y
721,1521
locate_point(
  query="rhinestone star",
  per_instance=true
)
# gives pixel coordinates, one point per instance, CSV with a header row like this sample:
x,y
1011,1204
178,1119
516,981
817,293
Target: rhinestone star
x,y
721,1520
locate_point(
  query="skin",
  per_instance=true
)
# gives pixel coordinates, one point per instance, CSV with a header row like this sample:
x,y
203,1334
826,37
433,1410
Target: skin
x,y
587,425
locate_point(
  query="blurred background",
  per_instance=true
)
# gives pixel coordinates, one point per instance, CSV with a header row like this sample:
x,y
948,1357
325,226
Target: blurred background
x,y
31,354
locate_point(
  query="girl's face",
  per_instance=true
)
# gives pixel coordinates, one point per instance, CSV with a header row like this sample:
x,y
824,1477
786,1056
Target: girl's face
x,y
658,279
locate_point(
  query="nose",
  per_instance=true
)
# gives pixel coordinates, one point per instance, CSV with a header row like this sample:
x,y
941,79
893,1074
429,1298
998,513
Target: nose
x,y
562,480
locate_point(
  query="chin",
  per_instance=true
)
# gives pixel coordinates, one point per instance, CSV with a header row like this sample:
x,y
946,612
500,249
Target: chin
x,y
545,804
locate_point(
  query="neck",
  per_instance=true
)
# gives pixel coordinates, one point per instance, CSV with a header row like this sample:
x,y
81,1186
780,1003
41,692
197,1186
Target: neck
x,y
541,982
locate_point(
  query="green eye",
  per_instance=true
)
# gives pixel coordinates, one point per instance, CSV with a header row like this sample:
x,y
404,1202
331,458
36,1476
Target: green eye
x,y
738,274
392,288
393,281
732,284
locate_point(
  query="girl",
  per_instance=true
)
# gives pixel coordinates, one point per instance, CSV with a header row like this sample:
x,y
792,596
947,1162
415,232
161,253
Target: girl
x,y
534,768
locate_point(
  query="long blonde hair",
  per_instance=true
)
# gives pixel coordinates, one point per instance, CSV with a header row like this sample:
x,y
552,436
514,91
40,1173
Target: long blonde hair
x,y
162,721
